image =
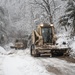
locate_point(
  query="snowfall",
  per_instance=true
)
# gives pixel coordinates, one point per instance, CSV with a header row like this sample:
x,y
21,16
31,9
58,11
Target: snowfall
x,y
20,62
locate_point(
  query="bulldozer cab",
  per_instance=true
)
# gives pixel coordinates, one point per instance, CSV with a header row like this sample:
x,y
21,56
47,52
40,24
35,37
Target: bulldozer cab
x,y
46,31
47,34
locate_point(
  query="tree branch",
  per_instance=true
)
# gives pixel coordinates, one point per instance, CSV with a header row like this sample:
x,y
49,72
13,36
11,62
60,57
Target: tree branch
x,y
47,6
41,4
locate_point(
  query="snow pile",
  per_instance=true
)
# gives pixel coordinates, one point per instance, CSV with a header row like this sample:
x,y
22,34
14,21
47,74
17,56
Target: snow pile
x,y
62,42
63,37
72,46
7,46
64,34
70,43
20,64
2,50
8,49
24,65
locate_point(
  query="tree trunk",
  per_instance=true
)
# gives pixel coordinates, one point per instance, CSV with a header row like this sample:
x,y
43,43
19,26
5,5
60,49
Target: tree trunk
x,y
51,19
74,26
65,28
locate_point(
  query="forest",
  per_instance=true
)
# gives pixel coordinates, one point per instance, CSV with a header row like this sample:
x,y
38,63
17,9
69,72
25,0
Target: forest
x,y
18,18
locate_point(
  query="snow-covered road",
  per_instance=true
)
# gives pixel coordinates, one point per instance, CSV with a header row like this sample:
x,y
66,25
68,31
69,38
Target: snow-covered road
x,y
21,63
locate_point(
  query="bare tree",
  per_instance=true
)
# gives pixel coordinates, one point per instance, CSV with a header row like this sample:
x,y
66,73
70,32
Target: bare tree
x,y
46,5
3,24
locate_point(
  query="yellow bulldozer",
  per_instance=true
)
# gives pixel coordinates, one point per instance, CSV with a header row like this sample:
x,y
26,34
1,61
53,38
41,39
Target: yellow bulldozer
x,y
20,44
44,42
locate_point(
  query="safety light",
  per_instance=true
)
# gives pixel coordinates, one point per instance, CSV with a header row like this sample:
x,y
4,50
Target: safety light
x,y
41,25
51,24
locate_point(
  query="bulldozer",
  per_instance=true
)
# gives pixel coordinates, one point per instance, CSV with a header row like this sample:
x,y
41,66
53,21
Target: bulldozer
x,y
44,42
20,44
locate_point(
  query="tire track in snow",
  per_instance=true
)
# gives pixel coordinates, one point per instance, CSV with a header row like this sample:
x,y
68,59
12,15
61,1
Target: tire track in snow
x,y
58,66
21,63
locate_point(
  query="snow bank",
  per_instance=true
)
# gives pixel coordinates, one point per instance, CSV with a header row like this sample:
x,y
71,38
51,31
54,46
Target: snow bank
x,y
8,49
72,46
24,65
20,64
63,37
2,50
7,46
70,42
61,40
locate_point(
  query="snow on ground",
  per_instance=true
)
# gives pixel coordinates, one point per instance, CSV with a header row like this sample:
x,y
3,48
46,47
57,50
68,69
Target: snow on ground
x,y
64,37
70,42
59,67
63,40
22,63
2,50
8,49
7,46
72,46
1,64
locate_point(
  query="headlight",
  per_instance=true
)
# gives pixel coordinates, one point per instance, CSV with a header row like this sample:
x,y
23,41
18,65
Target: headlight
x,y
41,25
